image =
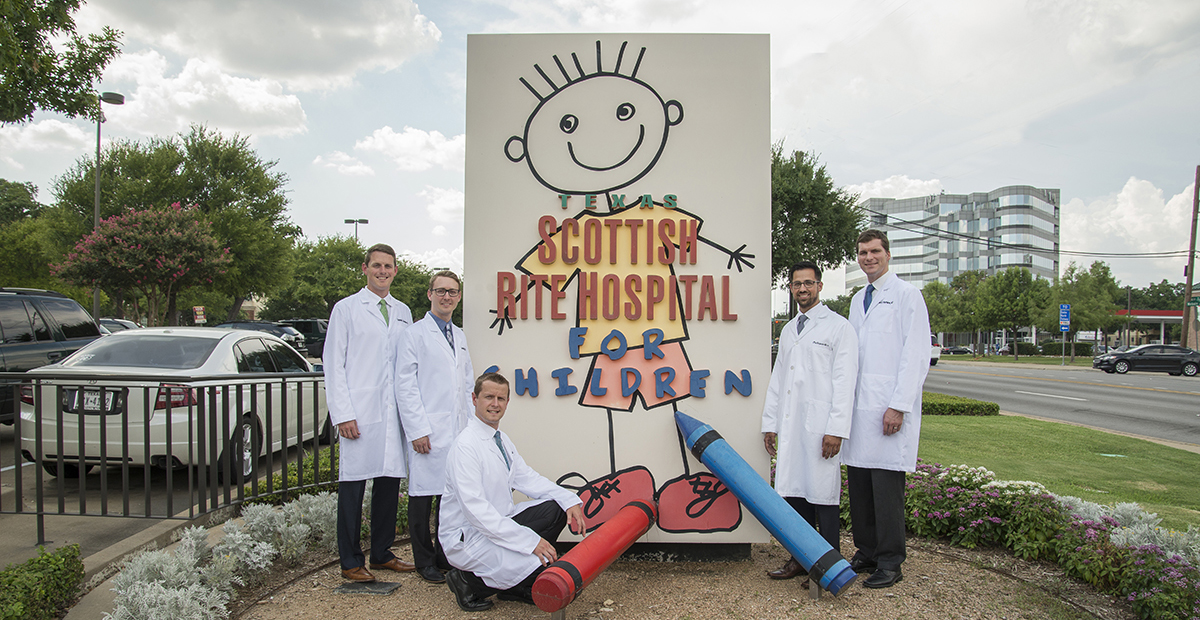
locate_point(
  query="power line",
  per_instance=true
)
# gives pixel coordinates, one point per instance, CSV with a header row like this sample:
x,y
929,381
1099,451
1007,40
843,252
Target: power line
x,y
933,231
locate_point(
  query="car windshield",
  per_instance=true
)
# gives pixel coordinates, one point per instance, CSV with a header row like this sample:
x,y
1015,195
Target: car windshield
x,y
145,351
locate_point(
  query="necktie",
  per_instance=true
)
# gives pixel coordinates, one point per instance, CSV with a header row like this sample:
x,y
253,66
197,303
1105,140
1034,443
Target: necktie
x,y
867,297
383,310
800,321
500,445
449,335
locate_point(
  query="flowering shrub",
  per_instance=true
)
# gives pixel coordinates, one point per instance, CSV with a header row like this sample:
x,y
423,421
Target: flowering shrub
x,y
1120,550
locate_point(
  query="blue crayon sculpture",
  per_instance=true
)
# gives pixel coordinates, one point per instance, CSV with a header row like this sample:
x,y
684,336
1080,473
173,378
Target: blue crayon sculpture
x,y
825,565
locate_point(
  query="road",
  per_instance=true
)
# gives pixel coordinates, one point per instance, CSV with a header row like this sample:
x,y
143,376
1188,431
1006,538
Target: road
x,y
1148,404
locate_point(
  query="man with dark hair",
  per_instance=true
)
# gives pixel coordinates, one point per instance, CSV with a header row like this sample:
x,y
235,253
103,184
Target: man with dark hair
x,y
497,547
364,330
892,324
433,390
808,407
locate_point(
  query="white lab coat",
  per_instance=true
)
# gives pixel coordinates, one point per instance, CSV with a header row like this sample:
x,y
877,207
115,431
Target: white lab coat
x,y
811,395
433,390
893,338
360,369
476,527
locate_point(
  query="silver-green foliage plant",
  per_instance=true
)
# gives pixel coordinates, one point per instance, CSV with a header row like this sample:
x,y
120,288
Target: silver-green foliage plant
x,y
319,513
252,556
262,522
293,542
161,566
1081,508
155,601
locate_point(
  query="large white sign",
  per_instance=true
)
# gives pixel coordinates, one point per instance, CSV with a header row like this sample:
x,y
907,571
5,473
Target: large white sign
x,y
618,260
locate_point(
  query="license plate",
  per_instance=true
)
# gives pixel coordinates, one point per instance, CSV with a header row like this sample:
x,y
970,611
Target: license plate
x,y
92,400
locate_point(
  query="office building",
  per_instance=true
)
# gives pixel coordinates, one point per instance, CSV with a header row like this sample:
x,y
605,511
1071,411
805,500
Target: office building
x,y
934,238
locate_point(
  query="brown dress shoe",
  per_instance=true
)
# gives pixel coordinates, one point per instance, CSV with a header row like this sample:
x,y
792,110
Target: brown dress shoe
x,y
396,564
358,574
787,571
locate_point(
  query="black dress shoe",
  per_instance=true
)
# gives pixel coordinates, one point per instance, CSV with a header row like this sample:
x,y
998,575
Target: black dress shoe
x,y
883,578
517,595
861,565
788,571
431,574
463,595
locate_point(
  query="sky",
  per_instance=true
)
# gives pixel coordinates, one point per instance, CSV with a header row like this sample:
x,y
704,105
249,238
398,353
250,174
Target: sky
x,y
362,103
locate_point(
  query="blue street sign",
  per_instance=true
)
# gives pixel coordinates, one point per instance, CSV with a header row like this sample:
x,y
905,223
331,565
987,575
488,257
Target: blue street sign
x,y
1064,328
1064,306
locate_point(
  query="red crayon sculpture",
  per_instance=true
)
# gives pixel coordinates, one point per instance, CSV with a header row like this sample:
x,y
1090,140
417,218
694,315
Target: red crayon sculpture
x,y
563,580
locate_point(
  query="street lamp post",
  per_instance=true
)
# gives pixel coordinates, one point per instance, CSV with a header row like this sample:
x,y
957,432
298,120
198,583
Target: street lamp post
x,y
356,223
114,99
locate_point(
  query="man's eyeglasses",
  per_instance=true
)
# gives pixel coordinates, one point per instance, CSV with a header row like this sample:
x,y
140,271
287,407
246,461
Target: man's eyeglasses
x,y
442,292
805,283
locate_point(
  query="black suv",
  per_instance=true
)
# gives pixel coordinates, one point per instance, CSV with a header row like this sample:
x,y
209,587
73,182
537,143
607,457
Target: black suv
x,y
285,333
314,333
37,328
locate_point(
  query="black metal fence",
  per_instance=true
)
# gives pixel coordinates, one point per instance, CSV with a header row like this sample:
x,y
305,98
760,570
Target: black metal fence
x,y
157,446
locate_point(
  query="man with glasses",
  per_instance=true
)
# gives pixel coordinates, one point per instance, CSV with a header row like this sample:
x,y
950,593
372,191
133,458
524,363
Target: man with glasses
x,y
434,381
808,408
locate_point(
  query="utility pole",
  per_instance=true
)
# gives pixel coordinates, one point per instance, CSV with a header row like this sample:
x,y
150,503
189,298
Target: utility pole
x,y
1191,265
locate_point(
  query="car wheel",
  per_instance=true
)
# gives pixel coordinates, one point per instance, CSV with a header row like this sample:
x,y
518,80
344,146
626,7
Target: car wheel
x,y
933,362
1121,367
242,451
1109,371
69,470
1189,369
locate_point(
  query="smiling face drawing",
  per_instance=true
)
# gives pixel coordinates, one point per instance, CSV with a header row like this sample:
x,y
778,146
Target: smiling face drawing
x,y
595,134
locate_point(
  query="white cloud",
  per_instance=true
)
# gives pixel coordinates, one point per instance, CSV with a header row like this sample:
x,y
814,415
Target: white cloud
x,y
344,164
200,93
1138,219
415,150
306,45
443,205
895,186
439,258
439,231
44,135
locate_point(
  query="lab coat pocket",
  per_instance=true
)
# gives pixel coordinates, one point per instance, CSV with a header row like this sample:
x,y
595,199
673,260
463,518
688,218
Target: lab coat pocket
x,y
874,393
816,417
367,405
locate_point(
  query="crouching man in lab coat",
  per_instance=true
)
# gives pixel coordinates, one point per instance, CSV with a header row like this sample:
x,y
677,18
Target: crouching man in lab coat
x,y
433,389
892,323
497,547
808,407
359,358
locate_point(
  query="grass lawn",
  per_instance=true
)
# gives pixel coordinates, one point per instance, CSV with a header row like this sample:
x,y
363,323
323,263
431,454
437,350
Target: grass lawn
x,y
1036,360
1070,460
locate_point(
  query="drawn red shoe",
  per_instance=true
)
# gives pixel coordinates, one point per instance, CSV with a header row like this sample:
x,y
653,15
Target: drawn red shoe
x,y
697,503
604,497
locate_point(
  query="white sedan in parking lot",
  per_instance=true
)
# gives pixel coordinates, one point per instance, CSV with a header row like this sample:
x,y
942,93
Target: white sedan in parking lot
x,y
171,397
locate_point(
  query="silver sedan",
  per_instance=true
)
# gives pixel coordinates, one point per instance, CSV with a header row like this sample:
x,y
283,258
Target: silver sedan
x,y
171,397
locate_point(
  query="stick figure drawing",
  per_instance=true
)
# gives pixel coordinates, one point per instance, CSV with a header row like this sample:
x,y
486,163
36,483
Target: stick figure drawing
x,y
593,138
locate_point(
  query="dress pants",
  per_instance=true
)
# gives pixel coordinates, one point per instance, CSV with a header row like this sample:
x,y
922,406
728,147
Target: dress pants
x,y
427,551
825,519
877,515
385,496
547,520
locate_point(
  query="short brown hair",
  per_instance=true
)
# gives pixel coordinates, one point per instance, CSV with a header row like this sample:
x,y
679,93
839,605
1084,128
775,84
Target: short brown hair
x,y
379,247
869,234
494,377
445,273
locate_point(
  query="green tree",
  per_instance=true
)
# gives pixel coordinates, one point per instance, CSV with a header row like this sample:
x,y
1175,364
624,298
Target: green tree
x,y
323,271
1161,296
841,303
939,299
235,190
966,287
1012,299
156,251
36,76
17,201
811,219
1090,293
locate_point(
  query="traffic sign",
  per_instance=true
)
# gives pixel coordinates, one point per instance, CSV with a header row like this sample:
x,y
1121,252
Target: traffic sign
x,y
1195,301
1065,327
1064,322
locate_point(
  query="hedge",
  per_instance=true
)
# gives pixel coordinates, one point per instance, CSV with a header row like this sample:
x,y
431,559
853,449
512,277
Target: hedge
x,y
40,588
1055,349
944,404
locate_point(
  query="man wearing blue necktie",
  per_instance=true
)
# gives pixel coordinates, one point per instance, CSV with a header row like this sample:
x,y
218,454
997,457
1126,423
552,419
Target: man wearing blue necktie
x,y
433,389
892,323
497,547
